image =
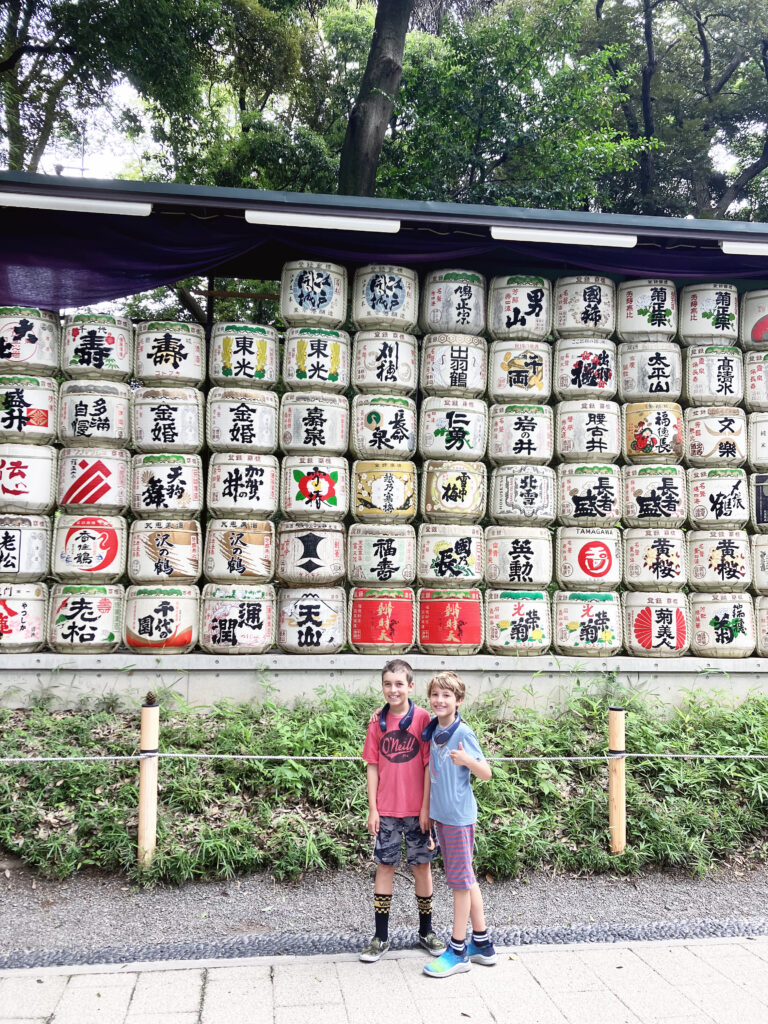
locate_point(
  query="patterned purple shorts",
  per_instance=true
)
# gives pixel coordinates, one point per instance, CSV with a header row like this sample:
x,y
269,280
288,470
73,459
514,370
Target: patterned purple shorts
x,y
457,844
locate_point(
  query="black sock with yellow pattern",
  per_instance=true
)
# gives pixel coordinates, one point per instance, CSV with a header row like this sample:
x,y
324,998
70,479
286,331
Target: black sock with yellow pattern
x,y
425,914
381,904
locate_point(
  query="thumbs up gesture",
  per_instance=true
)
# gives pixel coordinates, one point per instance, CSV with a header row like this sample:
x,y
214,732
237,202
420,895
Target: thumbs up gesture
x,y
460,756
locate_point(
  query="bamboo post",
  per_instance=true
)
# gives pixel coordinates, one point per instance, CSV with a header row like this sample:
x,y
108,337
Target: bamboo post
x,y
617,781
148,744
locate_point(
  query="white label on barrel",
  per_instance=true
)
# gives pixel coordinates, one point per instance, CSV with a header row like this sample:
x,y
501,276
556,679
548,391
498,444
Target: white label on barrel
x,y
91,544
93,347
89,416
230,624
27,338
27,410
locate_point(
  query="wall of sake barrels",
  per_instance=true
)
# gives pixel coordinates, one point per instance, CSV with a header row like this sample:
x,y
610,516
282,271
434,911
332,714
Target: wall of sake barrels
x,y
460,467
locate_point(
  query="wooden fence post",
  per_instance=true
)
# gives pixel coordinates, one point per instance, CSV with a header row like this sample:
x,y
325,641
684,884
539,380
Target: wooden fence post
x,y
148,744
617,781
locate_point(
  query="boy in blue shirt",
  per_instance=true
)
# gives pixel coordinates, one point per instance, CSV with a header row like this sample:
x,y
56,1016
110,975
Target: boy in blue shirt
x,y
454,757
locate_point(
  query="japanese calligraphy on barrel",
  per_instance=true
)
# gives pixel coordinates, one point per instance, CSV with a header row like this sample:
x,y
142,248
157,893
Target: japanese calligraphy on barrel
x,y
715,436
314,422
588,495
381,555
584,368
450,621
450,556
587,558
161,619
761,626
239,550
517,623
709,314
453,364
25,543
656,625
523,495
719,560
586,624
95,414
310,553
588,431
168,420
453,301
237,619
85,618
521,372
97,345
650,372
384,361
756,381
243,355
171,353
23,608
383,426
647,311
520,434
313,292
385,297
164,551
723,625
167,485
383,491
714,375
519,308
27,478
29,340
652,432
88,548
584,306
94,480
242,421
717,498
520,556
654,496
316,359
382,621
28,407
311,620
655,559
453,428
242,485
453,492
314,487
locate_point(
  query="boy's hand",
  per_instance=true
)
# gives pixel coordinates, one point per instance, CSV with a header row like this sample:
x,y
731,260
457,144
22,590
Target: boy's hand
x,y
374,718
425,822
460,756
373,822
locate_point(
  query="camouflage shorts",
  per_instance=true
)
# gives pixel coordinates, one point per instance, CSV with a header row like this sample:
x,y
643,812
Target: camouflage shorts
x,y
388,846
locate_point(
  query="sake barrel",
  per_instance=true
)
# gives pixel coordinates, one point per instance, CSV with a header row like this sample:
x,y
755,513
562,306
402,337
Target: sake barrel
x,y
385,297
723,625
453,364
453,428
519,308
242,485
584,368
453,491
382,621
29,340
757,441
27,478
709,314
655,496
95,413
715,436
520,372
656,625
383,426
585,306
652,432
243,355
753,329
714,375
168,420
718,498
517,622
450,621
588,558
588,495
313,292
586,624
239,550
314,422
646,311
756,381
22,617
761,626
587,431
28,407
311,620
167,485
650,372
759,554
237,619
161,619
384,361
384,491
450,556
655,559
520,434
381,554
453,301
520,556
86,618
88,548
171,353
758,502
310,554
316,359
315,487
523,495
97,345
719,560
165,551
25,543
94,480
242,421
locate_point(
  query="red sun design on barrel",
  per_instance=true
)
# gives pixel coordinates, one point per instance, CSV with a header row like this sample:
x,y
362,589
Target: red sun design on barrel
x,y
644,631
595,559
100,536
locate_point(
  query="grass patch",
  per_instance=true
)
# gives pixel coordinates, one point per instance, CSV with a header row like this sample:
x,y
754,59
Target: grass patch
x,y
221,818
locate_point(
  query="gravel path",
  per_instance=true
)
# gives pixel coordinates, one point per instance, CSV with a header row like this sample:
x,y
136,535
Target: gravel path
x,y
93,918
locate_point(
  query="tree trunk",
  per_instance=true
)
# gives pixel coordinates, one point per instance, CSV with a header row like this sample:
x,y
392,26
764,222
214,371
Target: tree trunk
x,y
375,102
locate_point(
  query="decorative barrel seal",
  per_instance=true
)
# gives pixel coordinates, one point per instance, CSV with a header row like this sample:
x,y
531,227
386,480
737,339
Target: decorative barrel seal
x,y
714,375
383,491
97,346
27,478
709,314
450,556
587,625
385,297
647,311
94,480
25,543
649,373
311,621
86,619
588,495
588,431
381,555
242,421
756,381
242,485
588,558
517,622
314,422
28,409
384,361
164,551
761,615
521,372
310,554
171,353
22,617
717,498
757,441
753,330
167,485
29,340
95,414
453,492
88,548
520,434
715,436
719,560
655,559
161,620
518,555
313,292
450,621
584,306
652,433
316,359
656,625
383,426
584,368
315,487
523,495
237,619
453,364
453,301
723,625
168,420
655,496
239,550
519,308
758,502
243,355
453,428
382,621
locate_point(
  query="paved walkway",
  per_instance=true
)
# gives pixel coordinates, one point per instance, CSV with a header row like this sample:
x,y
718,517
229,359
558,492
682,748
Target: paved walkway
x,y
708,981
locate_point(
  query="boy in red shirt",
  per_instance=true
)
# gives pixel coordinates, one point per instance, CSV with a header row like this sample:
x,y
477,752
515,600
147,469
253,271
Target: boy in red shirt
x,y
398,805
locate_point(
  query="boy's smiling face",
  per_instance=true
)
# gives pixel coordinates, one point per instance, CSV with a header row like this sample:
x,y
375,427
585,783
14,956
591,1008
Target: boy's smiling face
x,y
397,690
444,704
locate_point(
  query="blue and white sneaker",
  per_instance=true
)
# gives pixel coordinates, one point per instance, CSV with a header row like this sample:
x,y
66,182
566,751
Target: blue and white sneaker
x,y
481,954
447,964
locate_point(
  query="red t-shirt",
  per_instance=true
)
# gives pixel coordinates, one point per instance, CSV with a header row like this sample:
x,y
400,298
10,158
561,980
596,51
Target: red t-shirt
x,y
401,756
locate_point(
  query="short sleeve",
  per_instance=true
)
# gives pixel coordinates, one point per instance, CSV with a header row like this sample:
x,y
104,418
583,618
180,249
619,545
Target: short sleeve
x,y
470,744
371,747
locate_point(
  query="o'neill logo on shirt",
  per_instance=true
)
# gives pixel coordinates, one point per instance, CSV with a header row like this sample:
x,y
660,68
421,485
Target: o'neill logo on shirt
x,y
399,746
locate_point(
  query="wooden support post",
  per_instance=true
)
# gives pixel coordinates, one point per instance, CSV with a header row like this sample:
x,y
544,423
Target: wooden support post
x,y
617,781
149,743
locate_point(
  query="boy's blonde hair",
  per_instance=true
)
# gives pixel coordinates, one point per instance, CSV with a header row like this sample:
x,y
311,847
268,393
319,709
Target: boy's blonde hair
x,y
398,665
448,681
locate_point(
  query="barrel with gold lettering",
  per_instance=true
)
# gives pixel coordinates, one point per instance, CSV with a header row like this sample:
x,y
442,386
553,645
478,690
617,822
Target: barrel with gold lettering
x,y
382,621
450,621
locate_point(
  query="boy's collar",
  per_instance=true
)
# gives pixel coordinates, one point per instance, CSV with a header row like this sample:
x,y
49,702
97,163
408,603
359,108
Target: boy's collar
x,y
440,735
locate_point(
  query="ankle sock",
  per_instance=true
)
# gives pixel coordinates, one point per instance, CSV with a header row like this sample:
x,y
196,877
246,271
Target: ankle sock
x,y
481,938
381,904
458,946
425,914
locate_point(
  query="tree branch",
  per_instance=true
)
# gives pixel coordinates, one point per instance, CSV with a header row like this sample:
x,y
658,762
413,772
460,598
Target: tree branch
x,y
738,185
190,303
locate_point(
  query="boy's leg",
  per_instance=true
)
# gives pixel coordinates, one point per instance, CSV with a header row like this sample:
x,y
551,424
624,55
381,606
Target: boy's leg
x,y
456,843
480,949
386,853
420,851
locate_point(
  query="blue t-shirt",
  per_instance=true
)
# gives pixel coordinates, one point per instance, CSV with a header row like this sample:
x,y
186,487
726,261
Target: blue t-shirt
x,y
451,800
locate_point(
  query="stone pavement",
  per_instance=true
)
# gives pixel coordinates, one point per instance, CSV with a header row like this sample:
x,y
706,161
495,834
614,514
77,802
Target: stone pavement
x,y
706,981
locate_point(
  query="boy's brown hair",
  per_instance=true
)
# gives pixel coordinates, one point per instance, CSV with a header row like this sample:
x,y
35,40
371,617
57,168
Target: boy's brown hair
x,y
398,665
448,681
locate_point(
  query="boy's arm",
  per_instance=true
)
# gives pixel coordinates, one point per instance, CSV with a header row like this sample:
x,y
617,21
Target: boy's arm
x,y
424,822
372,781
479,768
